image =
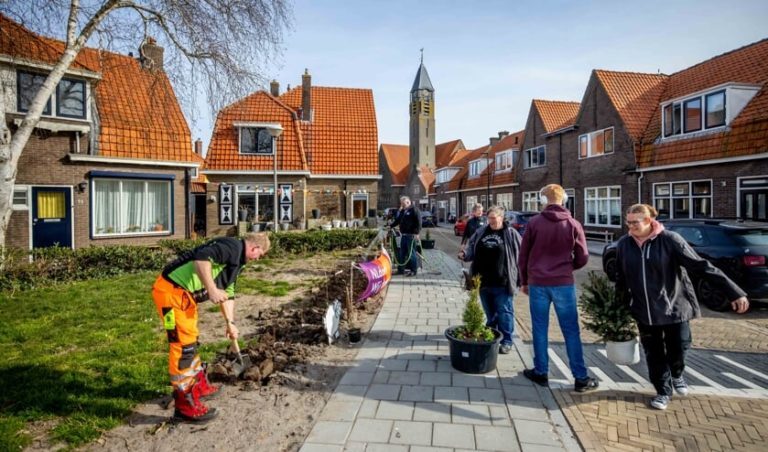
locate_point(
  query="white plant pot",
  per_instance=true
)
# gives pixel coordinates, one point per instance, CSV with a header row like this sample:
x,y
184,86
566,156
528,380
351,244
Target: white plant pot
x,y
284,226
336,223
343,224
626,353
326,227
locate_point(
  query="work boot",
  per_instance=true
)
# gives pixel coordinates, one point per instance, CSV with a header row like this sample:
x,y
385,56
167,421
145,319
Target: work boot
x,y
190,408
206,389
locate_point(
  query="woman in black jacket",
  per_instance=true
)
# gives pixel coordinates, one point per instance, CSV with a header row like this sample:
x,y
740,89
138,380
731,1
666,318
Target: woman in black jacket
x,y
650,277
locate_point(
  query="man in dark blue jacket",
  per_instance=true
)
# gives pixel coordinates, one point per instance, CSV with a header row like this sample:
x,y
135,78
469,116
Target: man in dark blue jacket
x,y
409,220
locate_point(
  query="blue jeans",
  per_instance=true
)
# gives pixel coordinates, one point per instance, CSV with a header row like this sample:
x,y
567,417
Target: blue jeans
x,y
497,304
408,251
564,299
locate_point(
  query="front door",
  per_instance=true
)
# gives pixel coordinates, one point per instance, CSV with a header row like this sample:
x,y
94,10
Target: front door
x,y
754,205
51,217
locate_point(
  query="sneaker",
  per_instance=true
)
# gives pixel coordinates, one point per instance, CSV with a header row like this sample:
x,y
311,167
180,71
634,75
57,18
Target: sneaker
x,y
541,380
410,274
505,348
660,402
681,387
587,384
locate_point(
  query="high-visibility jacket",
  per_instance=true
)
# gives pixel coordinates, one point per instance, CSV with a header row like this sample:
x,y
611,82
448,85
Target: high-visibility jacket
x,y
227,258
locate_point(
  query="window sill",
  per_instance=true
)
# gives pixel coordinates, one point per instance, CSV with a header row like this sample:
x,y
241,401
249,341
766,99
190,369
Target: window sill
x,y
603,225
596,156
697,134
131,234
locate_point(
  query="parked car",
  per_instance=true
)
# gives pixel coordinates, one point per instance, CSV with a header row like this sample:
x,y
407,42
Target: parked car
x,y
518,219
451,218
389,213
737,248
428,220
460,225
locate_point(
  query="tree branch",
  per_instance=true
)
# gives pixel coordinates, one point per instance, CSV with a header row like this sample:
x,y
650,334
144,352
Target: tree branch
x,y
74,8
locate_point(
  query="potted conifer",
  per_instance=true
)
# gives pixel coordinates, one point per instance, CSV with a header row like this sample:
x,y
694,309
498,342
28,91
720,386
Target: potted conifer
x,y
610,318
474,347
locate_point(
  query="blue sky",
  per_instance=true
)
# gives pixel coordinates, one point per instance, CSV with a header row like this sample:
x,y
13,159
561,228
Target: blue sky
x,y
488,59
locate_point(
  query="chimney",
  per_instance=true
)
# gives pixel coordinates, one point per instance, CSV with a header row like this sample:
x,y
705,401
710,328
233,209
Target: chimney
x,y
151,54
199,146
306,96
503,134
494,140
274,88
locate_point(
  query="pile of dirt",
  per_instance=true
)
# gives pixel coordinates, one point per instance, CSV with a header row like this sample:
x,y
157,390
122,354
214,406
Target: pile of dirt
x,y
291,334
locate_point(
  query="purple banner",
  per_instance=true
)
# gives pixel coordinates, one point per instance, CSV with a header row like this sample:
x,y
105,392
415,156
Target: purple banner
x,y
378,272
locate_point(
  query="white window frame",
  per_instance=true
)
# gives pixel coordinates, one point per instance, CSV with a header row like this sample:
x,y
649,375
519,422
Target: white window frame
x,y
591,152
528,157
27,196
531,201
504,162
690,197
702,97
588,199
470,201
505,200
476,167
93,183
193,172
452,204
358,197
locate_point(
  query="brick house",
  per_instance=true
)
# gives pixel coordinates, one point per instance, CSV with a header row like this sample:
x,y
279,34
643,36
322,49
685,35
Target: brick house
x,y
704,152
599,150
544,140
457,189
111,161
325,157
497,181
447,156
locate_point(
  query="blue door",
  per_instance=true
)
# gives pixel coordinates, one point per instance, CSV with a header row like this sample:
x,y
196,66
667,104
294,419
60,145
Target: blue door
x,y
51,217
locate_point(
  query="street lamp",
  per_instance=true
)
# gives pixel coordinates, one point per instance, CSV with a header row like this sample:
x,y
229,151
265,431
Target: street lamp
x,y
488,185
275,132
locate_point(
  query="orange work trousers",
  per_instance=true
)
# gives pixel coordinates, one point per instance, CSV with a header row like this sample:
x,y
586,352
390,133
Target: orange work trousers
x,y
178,311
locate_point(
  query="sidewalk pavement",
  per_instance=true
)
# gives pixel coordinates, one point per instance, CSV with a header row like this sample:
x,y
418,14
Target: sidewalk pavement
x,y
401,393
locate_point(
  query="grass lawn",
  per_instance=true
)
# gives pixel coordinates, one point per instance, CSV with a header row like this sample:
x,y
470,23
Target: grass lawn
x,y
81,354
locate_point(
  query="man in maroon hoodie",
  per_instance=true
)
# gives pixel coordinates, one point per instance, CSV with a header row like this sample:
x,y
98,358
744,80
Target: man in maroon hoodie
x,y
553,247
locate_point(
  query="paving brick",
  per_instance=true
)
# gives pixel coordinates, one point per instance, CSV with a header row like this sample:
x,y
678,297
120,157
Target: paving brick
x,y
395,410
307,447
417,393
356,378
525,409
486,396
451,435
432,412
383,392
476,381
450,394
422,365
404,378
374,447
496,438
371,430
536,432
340,411
329,432
470,414
368,408
412,433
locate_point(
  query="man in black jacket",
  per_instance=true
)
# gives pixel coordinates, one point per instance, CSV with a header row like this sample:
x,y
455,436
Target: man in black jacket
x,y
409,220
476,221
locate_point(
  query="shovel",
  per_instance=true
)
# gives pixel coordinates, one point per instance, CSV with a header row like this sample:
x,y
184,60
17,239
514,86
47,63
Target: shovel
x,y
241,363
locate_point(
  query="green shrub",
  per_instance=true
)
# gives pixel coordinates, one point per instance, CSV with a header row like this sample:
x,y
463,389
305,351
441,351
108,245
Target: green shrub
x,y
604,314
285,243
474,328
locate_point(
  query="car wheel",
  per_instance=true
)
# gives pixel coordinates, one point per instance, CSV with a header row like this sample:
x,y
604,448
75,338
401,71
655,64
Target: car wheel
x,y
609,267
711,297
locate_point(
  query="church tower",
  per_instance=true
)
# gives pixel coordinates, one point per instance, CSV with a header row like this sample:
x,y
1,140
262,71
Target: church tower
x,y
422,110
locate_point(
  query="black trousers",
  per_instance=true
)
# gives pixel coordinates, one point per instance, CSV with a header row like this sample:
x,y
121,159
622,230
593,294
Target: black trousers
x,y
665,347
408,251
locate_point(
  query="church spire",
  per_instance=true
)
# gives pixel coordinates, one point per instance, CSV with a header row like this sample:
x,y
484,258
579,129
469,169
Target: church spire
x,y
422,80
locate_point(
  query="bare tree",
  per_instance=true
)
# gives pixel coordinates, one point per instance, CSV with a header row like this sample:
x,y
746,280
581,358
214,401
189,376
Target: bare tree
x,y
220,46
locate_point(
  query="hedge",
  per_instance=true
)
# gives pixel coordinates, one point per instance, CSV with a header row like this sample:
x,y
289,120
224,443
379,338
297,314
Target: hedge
x,y
56,265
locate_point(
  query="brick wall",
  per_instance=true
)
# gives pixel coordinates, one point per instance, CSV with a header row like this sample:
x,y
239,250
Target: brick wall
x,y
44,162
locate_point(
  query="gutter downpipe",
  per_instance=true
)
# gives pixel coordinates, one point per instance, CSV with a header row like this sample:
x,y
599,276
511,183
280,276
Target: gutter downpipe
x,y
187,205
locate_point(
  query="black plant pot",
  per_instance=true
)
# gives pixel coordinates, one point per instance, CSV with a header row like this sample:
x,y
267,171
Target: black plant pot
x,y
428,244
354,335
473,357
315,213
242,215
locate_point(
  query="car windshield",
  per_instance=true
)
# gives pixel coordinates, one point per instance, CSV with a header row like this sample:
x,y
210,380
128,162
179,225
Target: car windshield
x,y
751,237
527,216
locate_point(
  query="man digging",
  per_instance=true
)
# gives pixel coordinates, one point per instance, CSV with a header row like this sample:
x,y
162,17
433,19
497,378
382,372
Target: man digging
x,y
207,272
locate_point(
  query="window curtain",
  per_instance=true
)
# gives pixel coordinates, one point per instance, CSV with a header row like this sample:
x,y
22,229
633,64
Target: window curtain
x,y
158,205
106,206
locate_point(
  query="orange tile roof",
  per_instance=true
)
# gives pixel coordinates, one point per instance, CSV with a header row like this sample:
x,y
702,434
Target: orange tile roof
x,y
748,132
139,114
461,179
446,152
511,141
342,137
427,178
634,96
556,114
397,157
223,152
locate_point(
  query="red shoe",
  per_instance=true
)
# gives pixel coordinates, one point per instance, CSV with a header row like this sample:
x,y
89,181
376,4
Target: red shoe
x,y
190,408
205,388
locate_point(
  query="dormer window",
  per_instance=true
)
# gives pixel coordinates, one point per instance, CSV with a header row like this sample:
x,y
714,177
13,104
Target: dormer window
x,y
505,161
704,111
255,141
69,95
477,166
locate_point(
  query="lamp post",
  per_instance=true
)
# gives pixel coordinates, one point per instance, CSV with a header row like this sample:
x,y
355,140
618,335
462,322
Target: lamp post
x,y
488,179
275,132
